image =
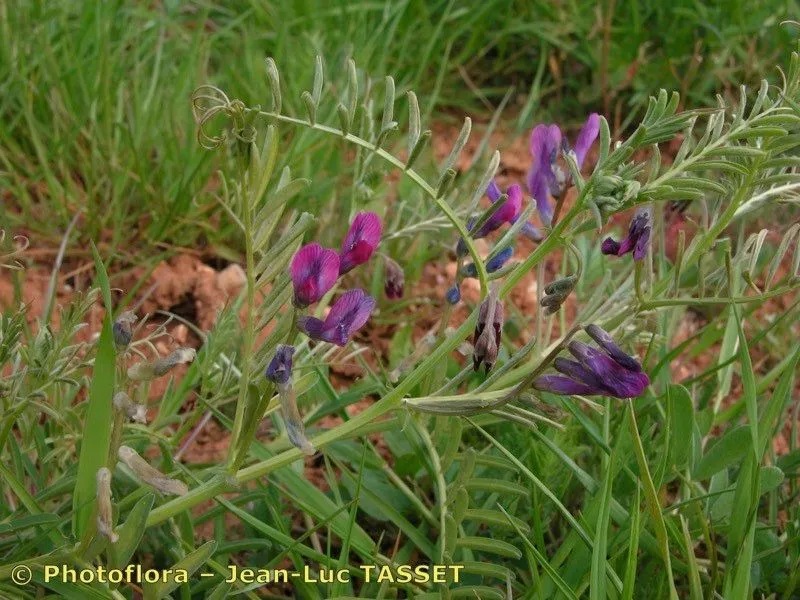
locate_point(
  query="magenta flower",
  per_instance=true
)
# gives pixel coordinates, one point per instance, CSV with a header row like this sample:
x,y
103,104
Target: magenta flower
x,y
362,238
545,178
605,372
508,213
348,315
637,240
314,270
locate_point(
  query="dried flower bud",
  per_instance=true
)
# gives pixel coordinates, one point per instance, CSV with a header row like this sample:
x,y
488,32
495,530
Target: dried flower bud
x,y
488,332
394,279
295,430
145,371
133,410
123,329
279,370
104,512
151,475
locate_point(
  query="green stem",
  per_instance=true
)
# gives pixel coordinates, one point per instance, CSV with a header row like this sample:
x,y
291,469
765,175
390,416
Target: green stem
x,y
715,301
653,505
238,449
410,173
388,403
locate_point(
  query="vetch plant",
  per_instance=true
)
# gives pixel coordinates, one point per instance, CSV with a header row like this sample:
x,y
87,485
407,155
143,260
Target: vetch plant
x,y
480,469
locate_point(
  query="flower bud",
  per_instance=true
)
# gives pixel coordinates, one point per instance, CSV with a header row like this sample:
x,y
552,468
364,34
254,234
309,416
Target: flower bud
x,y
295,430
454,295
133,410
394,279
556,293
488,332
151,475
123,329
499,260
104,511
145,371
279,370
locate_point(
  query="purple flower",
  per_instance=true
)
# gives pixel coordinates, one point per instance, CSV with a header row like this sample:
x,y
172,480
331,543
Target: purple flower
x,y
360,242
348,315
545,178
605,372
637,240
488,332
544,145
314,270
394,279
508,213
280,367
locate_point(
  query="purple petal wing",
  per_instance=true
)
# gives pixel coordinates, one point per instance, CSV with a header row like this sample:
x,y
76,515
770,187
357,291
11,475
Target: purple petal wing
x,y
312,327
493,191
586,137
577,371
509,212
541,193
328,270
607,343
348,315
557,384
642,243
361,240
530,231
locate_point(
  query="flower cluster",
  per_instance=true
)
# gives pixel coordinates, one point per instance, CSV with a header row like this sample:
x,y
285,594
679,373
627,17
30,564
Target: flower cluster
x,y
607,371
314,270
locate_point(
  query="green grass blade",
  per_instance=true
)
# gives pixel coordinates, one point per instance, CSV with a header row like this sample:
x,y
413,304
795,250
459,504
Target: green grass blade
x,y
97,425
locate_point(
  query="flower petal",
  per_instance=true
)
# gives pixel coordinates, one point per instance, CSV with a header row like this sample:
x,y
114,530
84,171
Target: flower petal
x,y
350,312
557,384
314,270
312,327
577,371
607,343
493,191
361,240
586,138
280,367
509,212
530,231
615,379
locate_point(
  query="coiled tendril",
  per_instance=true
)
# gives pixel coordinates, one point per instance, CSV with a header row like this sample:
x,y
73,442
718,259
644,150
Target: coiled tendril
x,y
208,101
